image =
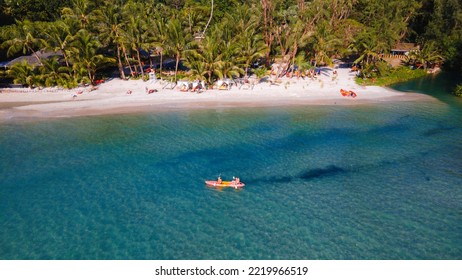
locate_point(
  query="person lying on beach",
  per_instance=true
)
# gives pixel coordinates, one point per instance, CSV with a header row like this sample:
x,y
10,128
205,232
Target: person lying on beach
x,y
184,87
149,91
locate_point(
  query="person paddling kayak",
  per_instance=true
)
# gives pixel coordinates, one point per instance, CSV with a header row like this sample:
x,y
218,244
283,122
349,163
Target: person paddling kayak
x,y
235,183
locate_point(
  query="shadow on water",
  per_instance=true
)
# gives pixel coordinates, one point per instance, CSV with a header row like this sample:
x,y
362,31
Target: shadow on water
x,y
330,170
315,173
441,129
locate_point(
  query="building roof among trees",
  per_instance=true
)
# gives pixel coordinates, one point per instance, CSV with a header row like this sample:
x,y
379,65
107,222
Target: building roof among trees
x,y
32,59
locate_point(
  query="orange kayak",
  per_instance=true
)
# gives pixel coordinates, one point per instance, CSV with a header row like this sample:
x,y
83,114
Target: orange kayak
x,y
344,92
348,93
225,184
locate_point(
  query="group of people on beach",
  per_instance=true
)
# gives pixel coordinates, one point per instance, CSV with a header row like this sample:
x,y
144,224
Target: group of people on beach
x,y
148,90
312,73
196,86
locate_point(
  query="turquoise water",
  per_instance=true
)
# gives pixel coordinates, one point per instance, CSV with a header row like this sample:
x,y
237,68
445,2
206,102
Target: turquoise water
x,y
380,181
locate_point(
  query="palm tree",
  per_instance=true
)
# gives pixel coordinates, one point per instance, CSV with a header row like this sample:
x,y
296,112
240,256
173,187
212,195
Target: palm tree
x,y
178,41
242,44
160,38
251,47
228,67
216,55
369,47
427,56
24,37
53,73
260,72
246,18
324,43
197,70
22,73
110,26
57,38
195,18
369,53
135,30
300,61
81,12
268,25
210,19
291,33
85,57
285,40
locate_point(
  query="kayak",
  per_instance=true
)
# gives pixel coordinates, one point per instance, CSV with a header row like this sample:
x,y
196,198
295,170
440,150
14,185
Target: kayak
x,y
348,93
225,184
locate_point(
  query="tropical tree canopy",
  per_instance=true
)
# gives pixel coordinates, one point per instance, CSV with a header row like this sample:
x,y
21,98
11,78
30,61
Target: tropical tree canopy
x,y
217,39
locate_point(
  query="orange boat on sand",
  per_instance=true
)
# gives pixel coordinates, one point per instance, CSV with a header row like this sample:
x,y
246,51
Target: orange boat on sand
x,y
348,93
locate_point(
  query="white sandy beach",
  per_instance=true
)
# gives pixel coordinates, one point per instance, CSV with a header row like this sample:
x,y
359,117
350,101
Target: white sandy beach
x,y
111,97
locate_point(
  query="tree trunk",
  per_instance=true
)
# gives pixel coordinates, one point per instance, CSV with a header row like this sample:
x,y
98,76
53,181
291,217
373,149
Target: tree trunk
x,y
160,68
140,64
267,26
39,60
293,57
127,61
176,65
119,63
209,73
210,19
90,76
66,60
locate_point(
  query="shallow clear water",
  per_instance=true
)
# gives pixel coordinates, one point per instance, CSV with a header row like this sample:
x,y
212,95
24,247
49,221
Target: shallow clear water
x,y
370,182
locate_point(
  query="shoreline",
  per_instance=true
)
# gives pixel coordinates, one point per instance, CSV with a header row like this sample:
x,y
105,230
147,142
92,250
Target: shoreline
x,y
111,97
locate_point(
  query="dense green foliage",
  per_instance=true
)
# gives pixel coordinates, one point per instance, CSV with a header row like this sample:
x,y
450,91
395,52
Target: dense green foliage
x,y
228,38
392,76
458,90
440,22
33,10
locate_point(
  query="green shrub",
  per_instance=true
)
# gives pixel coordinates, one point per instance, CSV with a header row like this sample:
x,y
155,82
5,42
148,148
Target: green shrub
x,y
22,74
260,72
390,76
458,90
